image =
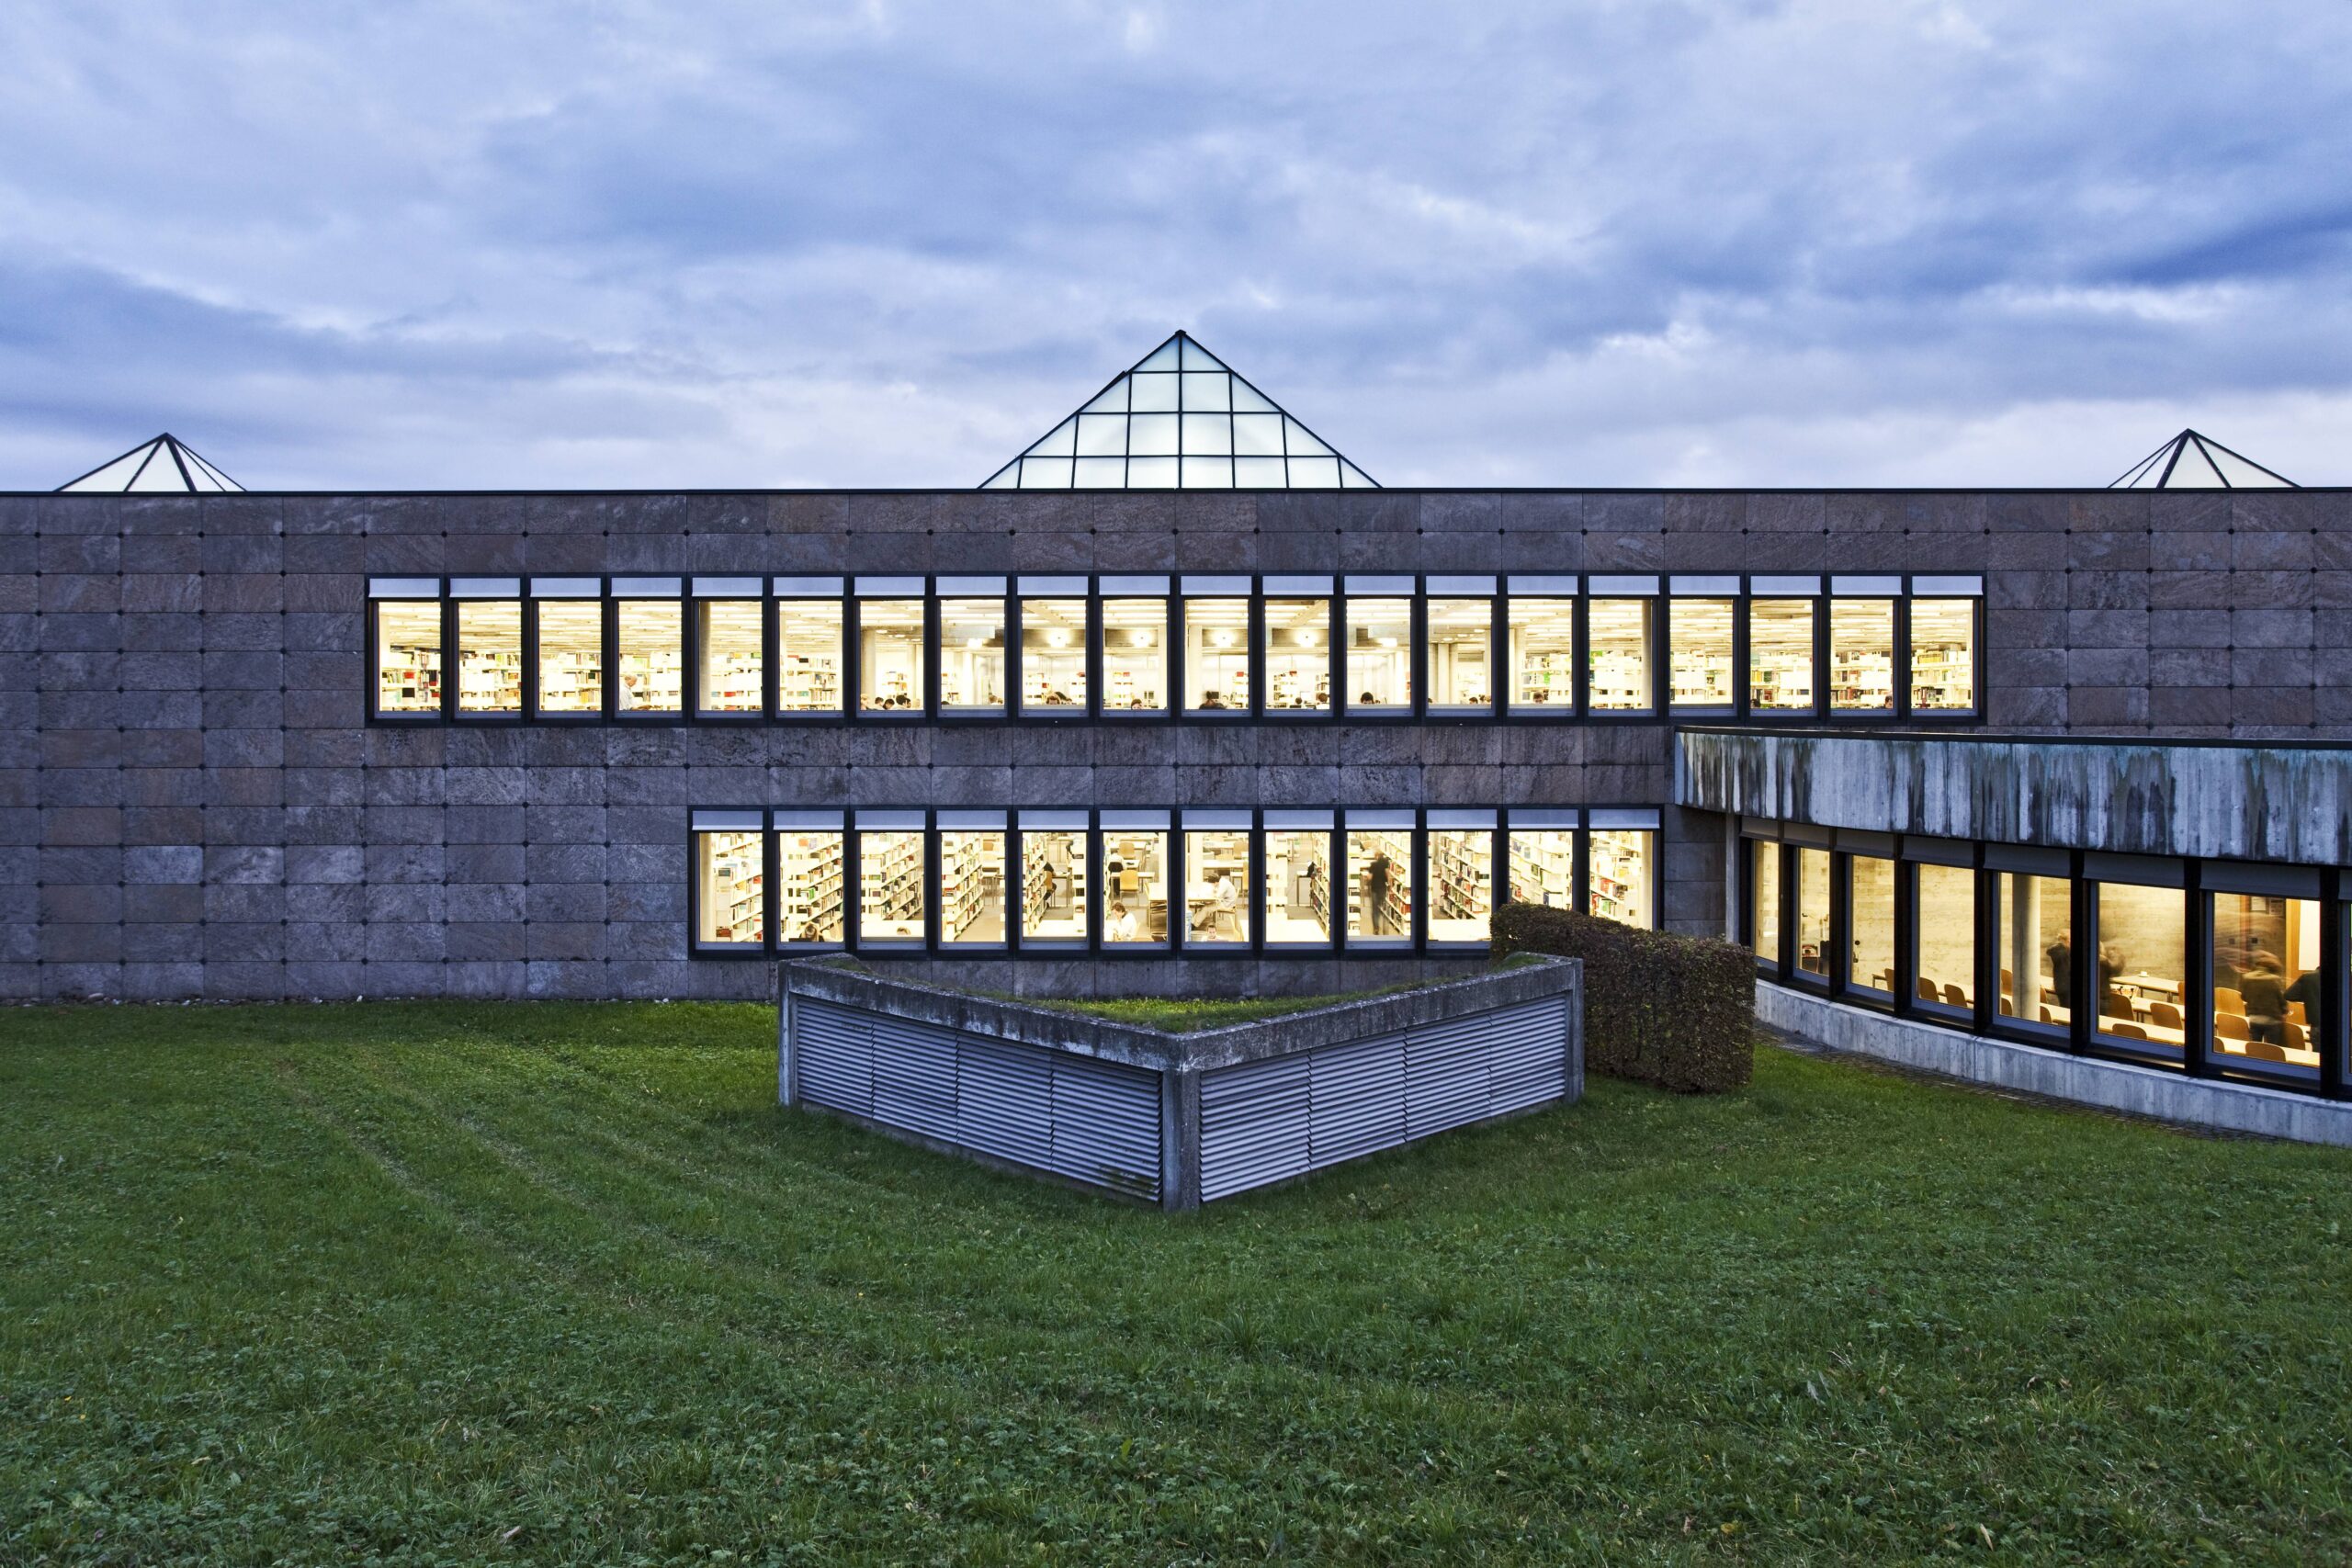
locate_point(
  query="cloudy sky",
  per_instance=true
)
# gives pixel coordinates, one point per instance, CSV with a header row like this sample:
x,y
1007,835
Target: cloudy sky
x,y
1609,242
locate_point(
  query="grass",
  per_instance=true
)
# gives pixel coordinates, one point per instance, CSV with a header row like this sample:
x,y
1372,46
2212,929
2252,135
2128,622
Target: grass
x,y
409,1284
1190,1015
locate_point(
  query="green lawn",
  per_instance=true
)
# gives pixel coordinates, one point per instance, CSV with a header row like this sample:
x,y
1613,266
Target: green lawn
x,y
557,1283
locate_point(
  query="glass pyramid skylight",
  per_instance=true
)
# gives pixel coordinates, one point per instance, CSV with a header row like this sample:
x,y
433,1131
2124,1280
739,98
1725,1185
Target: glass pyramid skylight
x,y
163,464
1179,421
2190,461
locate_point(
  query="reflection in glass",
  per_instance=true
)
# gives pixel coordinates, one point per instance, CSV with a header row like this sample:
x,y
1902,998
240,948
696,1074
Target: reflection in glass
x,y
1380,655
1299,655
1053,887
408,658
727,635
1871,911
810,862
2142,941
1380,886
1134,655
1460,638
489,656
2265,982
1618,867
1298,886
1621,654
2037,920
971,655
732,902
1461,883
1780,655
890,890
1052,655
1216,889
653,660
1543,866
1135,883
1764,899
1861,655
1943,664
1813,913
1543,653
572,656
1947,937
889,656
971,888
808,653
1698,666
1216,655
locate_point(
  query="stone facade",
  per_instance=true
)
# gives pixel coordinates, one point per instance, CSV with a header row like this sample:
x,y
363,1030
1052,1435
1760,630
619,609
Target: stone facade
x,y
191,803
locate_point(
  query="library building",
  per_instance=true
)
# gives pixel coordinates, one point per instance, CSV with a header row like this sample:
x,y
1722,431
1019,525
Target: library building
x,y
1181,699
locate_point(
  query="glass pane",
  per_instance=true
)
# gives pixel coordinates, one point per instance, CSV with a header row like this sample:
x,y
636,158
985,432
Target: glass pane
x,y
1053,887
1621,654
408,658
1542,652
1101,435
1459,632
1207,434
1380,886
890,891
971,888
652,658
1299,655
572,656
2140,945
1620,871
1135,654
1764,899
889,656
1203,393
1461,880
1299,887
1943,664
732,901
1780,655
1697,665
1053,653
1947,937
1813,913
2265,982
1380,653
1861,655
728,633
1151,392
1134,879
1870,908
1216,883
1216,654
1151,435
1258,435
2037,940
1543,867
808,639
489,656
971,654
809,886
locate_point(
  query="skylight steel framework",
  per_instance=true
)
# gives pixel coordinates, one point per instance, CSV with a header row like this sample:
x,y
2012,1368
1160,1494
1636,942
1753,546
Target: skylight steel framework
x,y
1179,419
165,465
2190,461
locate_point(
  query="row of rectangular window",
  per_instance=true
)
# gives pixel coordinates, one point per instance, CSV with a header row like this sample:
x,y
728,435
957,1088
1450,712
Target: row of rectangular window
x,y
2219,969
1197,883
1200,647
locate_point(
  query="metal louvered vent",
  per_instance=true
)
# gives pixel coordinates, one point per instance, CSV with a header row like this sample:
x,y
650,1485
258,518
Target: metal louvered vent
x,y
1263,1122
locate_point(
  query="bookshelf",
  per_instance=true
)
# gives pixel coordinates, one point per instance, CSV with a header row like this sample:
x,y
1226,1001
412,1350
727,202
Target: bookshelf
x,y
733,891
1062,916
408,679
1619,872
490,681
1300,685
1862,680
971,888
731,684
1702,680
1395,911
1543,867
809,869
1460,885
1298,886
571,683
1211,859
1942,678
660,683
890,888
808,684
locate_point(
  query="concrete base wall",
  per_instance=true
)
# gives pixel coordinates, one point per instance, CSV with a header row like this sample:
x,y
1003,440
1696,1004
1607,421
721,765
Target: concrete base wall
x,y
2111,1086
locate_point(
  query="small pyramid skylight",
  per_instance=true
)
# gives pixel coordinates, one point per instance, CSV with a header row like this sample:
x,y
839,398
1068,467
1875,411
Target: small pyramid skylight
x,y
2190,461
1179,420
163,464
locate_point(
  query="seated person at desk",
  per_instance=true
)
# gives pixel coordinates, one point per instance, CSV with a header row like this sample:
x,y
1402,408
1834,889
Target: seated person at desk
x,y
1212,700
1123,924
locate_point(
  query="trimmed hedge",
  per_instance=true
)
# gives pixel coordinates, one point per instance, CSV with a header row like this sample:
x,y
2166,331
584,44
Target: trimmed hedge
x,y
1677,1011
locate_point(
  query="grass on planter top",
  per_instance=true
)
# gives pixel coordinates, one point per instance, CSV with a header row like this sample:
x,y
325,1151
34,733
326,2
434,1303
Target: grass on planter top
x,y
1190,1015
557,1283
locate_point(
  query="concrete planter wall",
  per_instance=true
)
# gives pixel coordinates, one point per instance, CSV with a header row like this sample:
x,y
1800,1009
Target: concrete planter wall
x,y
1176,1119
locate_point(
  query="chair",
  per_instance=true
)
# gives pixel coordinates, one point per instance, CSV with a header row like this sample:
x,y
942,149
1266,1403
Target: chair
x,y
2122,1030
2230,1025
2007,1011
2045,1014
1927,990
1955,997
2298,1037
2295,1014
2263,1051
2164,1015
2227,999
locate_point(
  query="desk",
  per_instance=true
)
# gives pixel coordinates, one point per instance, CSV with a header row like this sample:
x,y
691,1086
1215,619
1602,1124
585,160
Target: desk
x,y
2151,985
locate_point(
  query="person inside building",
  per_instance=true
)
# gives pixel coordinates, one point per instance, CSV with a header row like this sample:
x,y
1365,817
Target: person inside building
x,y
1123,922
2264,990
1212,700
624,698
2061,954
1376,894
